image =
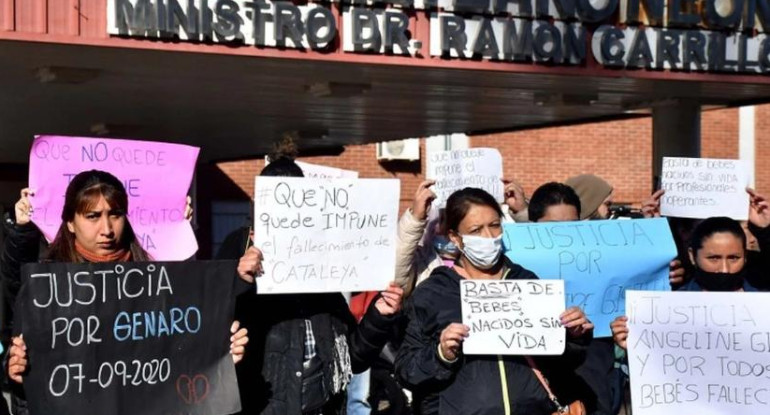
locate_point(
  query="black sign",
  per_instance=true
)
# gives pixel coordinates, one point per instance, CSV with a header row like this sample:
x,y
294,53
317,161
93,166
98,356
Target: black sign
x,y
129,338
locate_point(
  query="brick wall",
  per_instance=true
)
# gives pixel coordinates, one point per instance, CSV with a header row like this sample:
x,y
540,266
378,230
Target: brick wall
x,y
719,134
532,157
762,138
618,151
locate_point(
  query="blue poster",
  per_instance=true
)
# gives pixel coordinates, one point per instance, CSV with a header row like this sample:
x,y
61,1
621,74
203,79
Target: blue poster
x,y
598,260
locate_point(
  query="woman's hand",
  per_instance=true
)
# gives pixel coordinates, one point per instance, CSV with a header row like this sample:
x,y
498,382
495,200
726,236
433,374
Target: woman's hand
x,y
17,363
576,322
389,302
451,340
619,328
238,341
188,209
675,272
23,207
651,206
250,265
423,197
514,196
759,209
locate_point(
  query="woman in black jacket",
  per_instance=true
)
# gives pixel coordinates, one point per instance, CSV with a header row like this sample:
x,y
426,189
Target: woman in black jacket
x,y
94,229
430,361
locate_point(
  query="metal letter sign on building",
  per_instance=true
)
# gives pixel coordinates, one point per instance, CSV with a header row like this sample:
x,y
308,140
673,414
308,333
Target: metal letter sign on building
x,y
679,35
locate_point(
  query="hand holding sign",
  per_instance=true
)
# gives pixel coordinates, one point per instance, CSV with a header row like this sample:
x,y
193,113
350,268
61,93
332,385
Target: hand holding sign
x,y
676,273
619,328
250,265
759,209
238,341
389,302
651,206
576,322
23,208
17,363
451,340
514,196
422,200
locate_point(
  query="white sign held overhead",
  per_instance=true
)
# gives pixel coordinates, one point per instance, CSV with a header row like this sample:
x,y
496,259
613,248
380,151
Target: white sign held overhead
x,y
702,353
472,167
701,188
317,171
325,235
513,317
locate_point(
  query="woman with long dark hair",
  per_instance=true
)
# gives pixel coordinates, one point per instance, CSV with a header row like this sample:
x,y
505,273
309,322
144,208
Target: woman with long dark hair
x,y
94,229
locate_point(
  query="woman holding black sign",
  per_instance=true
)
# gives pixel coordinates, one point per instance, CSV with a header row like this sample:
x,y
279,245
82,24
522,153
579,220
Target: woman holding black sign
x,y
431,362
94,229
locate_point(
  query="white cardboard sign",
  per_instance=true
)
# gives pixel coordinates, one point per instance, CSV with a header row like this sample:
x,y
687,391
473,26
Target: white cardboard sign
x,y
458,169
701,188
325,235
513,317
317,171
702,353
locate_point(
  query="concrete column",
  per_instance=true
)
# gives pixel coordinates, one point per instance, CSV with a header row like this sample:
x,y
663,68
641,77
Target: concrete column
x,y
746,139
675,133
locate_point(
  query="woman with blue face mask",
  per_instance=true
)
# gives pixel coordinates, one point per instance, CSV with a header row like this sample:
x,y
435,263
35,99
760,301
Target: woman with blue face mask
x,y
422,241
431,362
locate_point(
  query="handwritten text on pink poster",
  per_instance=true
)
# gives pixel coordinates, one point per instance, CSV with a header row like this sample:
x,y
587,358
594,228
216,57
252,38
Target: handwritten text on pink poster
x,y
156,176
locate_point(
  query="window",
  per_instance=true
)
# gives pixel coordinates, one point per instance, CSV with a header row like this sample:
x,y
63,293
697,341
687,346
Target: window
x,y
227,216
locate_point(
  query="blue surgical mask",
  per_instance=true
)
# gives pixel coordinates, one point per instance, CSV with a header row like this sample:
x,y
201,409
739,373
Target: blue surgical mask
x,y
445,248
482,252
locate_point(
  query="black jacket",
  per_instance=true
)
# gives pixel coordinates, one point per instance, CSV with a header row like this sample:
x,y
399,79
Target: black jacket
x,y
758,274
270,374
472,385
22,245
276,347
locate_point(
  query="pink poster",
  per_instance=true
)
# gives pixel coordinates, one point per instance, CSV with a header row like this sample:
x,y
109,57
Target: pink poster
x,y
156,176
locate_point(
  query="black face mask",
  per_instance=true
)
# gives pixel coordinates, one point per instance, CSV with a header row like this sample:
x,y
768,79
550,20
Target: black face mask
x,y
719,281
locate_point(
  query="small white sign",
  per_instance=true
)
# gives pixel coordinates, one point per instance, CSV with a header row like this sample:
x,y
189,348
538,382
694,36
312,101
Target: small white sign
x,y
317,171
702,353
513,317
701,188
325,235
458,169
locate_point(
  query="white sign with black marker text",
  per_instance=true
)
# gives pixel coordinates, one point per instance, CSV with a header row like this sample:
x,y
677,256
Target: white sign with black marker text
x,y
513,317
701,188
325,235
704,353
458,169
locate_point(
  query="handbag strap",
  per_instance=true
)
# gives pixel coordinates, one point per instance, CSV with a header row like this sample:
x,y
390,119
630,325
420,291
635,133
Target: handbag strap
x,y
544,382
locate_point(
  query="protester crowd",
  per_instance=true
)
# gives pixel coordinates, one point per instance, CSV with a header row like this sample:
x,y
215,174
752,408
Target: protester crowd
x,y
298,353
